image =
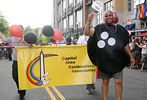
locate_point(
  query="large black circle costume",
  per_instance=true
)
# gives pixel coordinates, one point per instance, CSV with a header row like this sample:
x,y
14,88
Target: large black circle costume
x,y
106,49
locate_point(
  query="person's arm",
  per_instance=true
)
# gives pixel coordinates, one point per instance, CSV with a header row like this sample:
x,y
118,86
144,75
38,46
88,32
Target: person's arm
x,y
88,31
2,37
127,49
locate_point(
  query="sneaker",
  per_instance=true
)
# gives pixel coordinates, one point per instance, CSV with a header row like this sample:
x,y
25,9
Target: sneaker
x,y
141,70
22,96
22,93
134,67
89,92
93,87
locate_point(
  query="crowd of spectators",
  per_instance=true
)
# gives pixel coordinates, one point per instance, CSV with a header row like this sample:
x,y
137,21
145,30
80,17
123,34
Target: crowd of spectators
x,y
138,46
5,52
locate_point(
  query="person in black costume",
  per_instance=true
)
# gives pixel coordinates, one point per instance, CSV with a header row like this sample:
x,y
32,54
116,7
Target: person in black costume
x,y
109,50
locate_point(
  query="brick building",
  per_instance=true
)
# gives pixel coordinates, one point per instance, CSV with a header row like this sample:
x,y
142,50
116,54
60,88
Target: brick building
x,y
71,15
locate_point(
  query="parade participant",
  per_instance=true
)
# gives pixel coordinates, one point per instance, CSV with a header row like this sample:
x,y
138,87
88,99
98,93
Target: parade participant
x,y
15,41
109,50
83,41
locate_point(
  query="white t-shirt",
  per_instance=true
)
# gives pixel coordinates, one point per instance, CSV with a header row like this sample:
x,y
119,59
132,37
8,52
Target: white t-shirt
x,y
144,49
131,46
82,40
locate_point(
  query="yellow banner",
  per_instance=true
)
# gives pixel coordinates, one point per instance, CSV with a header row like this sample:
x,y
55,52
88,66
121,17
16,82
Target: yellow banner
x,y
45,66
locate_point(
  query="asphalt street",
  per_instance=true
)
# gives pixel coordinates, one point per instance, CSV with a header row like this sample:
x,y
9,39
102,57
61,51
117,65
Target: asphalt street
x,y
134,87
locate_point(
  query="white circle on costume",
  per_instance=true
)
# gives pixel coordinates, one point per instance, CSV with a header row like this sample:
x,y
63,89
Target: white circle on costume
x,y
101,44
104,35
111,41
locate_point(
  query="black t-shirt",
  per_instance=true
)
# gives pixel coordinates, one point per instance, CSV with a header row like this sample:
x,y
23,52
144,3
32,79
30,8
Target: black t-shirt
x,y
136,48
106,48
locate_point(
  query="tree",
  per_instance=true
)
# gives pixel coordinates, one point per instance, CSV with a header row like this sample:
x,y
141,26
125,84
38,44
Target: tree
x,y
4,26
28,29
40,39
43,39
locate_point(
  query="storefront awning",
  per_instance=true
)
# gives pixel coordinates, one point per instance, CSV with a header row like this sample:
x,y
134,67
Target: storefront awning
x,y
143,34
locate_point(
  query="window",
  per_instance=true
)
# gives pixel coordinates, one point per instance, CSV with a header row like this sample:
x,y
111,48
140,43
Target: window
x,y
70,2
70,22
79,18
78,1
59,9
59,25
129,5
137,2
64,5
64,24
142,25
108,5
141,1
100,17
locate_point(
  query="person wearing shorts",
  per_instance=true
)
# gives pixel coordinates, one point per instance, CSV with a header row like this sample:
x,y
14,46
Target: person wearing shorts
x,y
118,75
108,48
144,54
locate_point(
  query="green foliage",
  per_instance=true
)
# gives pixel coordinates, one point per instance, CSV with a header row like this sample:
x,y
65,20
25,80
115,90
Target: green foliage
x,y
28,29
43,39
48,39
4,26
39,39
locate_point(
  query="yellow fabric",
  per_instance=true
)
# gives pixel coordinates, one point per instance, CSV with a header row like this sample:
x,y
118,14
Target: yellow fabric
x,y
66,65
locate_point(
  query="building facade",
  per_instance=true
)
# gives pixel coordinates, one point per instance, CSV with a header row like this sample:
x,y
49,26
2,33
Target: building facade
x,y
70,15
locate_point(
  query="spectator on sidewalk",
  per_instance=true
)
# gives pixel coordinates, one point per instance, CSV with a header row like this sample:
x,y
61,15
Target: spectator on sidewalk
x,y
136,52
144,54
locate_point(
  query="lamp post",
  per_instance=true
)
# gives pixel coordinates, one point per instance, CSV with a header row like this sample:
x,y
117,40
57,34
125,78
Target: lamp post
x,y
77,27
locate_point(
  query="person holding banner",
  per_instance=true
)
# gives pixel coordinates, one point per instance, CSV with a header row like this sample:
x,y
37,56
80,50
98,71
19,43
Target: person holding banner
x,y
82,40
109,50
15,41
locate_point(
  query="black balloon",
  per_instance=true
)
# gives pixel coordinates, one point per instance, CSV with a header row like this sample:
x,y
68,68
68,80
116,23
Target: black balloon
x,y
30,38
48,30
68,39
